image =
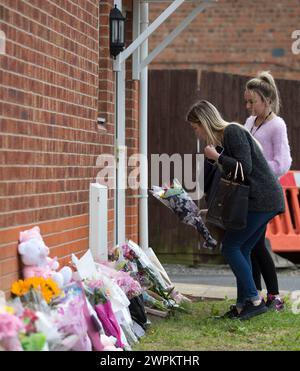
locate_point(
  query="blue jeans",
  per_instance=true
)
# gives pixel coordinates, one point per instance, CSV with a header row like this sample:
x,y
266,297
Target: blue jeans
x,y
236,249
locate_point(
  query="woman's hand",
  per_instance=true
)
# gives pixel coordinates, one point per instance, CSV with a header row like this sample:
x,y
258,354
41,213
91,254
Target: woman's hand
x,y
211,153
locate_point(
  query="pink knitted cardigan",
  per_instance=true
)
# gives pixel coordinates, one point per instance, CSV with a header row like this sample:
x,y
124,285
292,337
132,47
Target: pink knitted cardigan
x,y
272,135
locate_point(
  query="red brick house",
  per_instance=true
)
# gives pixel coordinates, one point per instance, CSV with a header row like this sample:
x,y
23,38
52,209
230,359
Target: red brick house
x,y
59,109
56,80
234,36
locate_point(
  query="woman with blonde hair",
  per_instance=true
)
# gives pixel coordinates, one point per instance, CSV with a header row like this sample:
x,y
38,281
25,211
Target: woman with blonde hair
x,y
263,103
265,198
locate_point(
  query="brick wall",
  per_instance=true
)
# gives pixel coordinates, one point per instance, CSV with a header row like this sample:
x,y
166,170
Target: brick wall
x,y
132,137
106,101
235,36
56,78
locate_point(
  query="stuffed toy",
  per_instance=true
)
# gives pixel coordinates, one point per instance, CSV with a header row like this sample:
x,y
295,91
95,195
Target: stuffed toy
x,y
34,255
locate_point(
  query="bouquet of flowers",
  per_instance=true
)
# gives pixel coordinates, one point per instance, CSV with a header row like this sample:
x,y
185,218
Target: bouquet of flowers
x,y
32,339
105,294
152,301
129,286
98,296
33,297
176,199
134,260
24,328
92,323
10,327
36,291
96,291
70,318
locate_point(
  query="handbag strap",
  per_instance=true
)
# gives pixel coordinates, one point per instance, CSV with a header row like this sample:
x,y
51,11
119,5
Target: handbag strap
x,y
239,166
242,172
236,171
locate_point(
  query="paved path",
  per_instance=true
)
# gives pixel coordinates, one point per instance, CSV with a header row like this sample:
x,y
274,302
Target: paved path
x,y
218,281
211,292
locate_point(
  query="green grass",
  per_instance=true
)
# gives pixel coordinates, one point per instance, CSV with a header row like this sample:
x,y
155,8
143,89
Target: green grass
x,y
199,330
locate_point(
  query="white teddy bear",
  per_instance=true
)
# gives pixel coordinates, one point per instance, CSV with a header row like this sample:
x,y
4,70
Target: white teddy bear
x,y
34,254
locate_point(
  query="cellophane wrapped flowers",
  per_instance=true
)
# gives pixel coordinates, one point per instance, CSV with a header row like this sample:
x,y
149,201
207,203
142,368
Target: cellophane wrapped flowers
x,y
176,199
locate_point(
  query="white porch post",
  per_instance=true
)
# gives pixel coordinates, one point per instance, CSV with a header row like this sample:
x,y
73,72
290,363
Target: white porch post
x,y
143,205
120,111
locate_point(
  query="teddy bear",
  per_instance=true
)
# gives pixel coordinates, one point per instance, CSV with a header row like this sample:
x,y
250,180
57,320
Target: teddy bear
x,y
34,255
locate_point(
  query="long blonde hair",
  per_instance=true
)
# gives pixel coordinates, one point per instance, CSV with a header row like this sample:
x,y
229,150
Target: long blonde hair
x,y
264,85
206,114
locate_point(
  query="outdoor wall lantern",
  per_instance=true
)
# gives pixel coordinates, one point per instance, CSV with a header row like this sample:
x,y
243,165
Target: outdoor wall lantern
x,y
117,31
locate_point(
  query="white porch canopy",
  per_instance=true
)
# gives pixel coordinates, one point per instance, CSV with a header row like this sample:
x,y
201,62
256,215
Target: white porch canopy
x,y
141,59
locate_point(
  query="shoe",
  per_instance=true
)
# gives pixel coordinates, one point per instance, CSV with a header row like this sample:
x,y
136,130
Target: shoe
x,y
250,310
232,313
275,303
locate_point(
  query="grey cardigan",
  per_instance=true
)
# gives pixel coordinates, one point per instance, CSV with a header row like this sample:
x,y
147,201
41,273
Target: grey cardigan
x,y
265,190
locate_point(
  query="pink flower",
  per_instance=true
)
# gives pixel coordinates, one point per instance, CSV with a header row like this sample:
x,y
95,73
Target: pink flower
x,y
29,317
128,253
95,284
129,286
10,325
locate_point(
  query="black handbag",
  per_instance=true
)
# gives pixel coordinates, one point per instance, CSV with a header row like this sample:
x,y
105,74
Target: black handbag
x,y
228,208
212,176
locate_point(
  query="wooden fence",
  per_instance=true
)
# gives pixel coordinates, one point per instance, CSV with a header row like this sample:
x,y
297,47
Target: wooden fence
x,y
226,92
171,93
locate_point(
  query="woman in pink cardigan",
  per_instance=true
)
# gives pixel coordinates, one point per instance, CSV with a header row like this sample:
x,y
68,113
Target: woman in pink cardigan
x,y
262,102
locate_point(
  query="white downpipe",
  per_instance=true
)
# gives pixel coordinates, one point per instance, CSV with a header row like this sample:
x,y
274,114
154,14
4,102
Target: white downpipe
x,y
120,111
143,205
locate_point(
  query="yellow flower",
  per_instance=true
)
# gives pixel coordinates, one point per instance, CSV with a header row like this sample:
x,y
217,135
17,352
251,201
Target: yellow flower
x,y
9,310
34,282
47,295
6,309
52,285
19,288
47,287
